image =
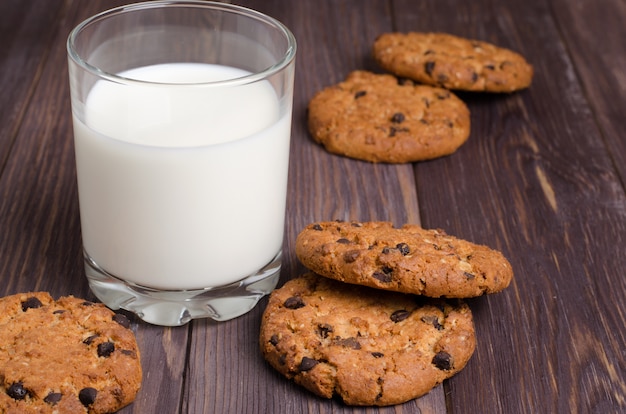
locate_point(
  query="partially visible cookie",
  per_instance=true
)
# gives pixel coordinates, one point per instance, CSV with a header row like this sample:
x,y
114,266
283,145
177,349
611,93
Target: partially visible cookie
x,y
409,259
366,346
65,356
452,62
379,118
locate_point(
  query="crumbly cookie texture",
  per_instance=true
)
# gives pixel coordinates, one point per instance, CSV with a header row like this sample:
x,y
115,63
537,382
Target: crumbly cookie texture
x,y
409,259
379,118
366,346
65,356
452,62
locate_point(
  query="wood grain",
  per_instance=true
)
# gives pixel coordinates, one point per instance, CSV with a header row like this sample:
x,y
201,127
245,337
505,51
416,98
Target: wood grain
x,y
542,178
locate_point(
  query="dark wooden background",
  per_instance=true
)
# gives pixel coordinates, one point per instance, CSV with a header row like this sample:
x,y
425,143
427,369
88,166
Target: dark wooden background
x,y
542,178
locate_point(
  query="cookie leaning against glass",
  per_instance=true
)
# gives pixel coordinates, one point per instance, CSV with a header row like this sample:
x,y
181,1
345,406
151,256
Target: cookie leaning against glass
x,y
65,356
407,259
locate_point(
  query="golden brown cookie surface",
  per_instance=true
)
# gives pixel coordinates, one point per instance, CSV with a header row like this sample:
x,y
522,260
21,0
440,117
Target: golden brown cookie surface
x,y
366,346
452,62
65,356
409,259
378,118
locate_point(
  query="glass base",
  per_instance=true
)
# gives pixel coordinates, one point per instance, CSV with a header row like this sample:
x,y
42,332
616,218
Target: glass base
x,y
177,307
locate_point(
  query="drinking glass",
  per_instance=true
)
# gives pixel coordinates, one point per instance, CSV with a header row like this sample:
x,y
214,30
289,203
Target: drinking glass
x,y
182,117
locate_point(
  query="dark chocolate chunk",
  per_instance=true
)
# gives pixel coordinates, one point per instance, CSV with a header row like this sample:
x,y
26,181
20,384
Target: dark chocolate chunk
x,y
433,320
360,94
59,311
17,391
351,256
404,248
324,330
343,241
469,275
428,68
317,227
105,349
378,354
87,303
307,364
347,342
294,302
31,303
274,339
122,320
443,361
383,277
87,396
400,315
89,340
398,118
53,398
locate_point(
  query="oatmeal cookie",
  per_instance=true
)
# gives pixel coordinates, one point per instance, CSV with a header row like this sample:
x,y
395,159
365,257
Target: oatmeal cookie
x,y
65,356
366,346
379,118
452,62
409,259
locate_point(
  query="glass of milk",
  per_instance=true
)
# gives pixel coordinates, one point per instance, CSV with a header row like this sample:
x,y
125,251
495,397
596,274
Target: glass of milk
x,y
182,119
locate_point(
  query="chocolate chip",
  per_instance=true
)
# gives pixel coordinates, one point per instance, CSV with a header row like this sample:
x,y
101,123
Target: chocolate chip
x,y
307,364
58,311
398,118
122,320
87,303
490,67
53,398
383,277
469,275
351,256
360,94
442,96
378,354
89,340
347,342
31,303
324,330
274,339
105,349
317,227
400,315
428,68
474,76
394,130
282,359
404,248
343,241
17,391
294,302
87,396
443,361
433,320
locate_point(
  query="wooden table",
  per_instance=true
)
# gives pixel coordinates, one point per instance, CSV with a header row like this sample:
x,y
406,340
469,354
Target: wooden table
x,y
542,178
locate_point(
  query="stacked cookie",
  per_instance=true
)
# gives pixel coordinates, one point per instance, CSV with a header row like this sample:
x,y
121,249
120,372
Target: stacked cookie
x,y
380,320
65,356
410,115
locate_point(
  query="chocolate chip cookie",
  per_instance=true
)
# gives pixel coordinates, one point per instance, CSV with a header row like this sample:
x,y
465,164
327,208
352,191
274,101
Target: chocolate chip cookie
x,y
409,259
380,118
65,356
366,346
452,62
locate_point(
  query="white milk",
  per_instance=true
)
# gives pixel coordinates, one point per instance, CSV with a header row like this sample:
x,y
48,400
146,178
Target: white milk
x,y
182,187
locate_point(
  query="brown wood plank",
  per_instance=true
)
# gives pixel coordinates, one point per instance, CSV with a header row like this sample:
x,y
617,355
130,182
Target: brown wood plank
x,y
40,246
536,181
599,64
334,38
19,27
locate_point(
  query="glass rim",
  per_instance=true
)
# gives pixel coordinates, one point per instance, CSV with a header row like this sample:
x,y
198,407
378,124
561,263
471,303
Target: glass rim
x,y
280,64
